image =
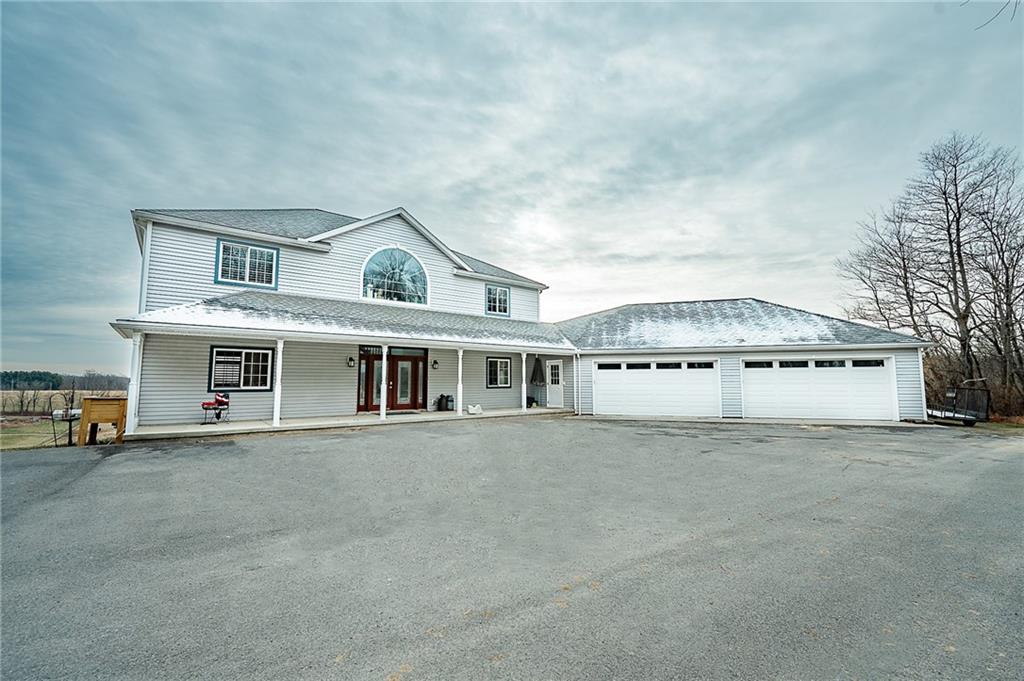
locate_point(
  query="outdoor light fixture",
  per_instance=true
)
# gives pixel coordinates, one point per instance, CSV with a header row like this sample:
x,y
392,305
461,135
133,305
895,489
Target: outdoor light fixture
x,y
434,365
351,362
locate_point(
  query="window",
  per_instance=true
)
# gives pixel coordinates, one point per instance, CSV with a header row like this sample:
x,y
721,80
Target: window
x,y
857,363
497,300
606,366
757,365
393,274
638,365
241,369
793,364
700,365
554,374
499,372
829,363
246,265
669,365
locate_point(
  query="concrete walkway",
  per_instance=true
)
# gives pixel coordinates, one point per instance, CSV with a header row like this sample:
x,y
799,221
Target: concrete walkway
x,y
192,430
770,422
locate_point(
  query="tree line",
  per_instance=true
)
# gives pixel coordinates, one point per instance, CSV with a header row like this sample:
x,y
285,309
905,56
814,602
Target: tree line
x,y
944,261
48,380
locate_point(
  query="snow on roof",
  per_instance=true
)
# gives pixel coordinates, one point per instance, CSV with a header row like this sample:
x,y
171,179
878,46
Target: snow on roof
x,y
742,322
278,312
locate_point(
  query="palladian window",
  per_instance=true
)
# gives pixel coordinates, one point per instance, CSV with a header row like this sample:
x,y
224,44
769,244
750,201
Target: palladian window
x,y
393,274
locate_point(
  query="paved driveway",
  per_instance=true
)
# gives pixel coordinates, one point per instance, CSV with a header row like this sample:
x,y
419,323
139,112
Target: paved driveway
x,y
520,549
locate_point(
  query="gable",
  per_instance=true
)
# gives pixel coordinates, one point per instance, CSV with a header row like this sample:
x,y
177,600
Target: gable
x,y
389,217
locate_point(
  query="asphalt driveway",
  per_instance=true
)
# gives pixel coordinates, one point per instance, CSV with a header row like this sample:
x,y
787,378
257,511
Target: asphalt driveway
x,y
520,549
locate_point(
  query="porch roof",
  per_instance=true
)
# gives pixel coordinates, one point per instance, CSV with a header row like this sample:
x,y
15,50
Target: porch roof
x,y
278,314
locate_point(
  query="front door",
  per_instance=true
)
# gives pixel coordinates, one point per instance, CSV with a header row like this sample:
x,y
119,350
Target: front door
x,y
554,371
406,378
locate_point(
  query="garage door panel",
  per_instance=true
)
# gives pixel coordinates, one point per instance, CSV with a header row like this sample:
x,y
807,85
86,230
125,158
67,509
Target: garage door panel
x,y
657,392
818,392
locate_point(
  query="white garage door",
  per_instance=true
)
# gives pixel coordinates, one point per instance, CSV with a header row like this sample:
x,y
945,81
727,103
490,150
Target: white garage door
x,y
841,388
657,387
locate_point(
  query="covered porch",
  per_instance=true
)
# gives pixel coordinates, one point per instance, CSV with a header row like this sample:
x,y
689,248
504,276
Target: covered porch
x,y
292,362
362,420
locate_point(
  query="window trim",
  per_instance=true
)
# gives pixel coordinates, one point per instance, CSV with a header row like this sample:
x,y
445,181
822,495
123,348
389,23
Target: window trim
x,y
487,373
221,242
508,300
243,349
385,301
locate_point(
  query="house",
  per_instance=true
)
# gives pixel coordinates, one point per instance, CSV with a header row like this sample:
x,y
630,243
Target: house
x,y
304,315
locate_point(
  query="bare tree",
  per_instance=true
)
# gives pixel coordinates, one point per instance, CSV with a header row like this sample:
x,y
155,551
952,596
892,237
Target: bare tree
x,y
945,262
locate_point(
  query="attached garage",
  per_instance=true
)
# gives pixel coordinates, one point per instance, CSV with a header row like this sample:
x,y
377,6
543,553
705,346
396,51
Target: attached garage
x,y
764,361
822,388
657,387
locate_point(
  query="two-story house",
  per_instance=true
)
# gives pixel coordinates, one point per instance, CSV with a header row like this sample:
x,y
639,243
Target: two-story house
x,y
304,316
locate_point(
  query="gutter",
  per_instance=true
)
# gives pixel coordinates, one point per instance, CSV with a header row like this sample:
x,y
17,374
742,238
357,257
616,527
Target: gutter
x,y
752,348
126,327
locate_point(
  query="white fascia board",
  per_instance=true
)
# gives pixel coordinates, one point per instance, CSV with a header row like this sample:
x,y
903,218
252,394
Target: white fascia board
x,y
126,328
501,280
731,349
230,231
407,216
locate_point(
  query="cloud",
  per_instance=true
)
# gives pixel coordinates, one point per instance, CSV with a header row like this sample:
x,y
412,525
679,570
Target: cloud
x,y
618,153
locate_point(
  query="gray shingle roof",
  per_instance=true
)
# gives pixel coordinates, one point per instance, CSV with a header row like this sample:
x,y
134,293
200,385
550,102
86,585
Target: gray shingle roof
x,y
490,270
264,310
302,223
743,322
294,223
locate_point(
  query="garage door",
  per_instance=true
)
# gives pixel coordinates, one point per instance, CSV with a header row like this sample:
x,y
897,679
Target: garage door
x,y
841,388
657,387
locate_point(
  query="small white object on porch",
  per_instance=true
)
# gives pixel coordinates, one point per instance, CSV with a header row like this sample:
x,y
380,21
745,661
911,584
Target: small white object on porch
x,y
458,387
523,372
279,361
384,382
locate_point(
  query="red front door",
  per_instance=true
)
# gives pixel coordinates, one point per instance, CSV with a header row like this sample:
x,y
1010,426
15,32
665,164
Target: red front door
x,y
406,378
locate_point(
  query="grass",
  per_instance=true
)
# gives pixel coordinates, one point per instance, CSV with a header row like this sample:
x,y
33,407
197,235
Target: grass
x,y
30,433
26,432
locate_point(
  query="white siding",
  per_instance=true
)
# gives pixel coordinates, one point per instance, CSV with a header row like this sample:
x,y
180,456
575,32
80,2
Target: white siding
x,y
732,386
908,385
174,381
182,263
317,381
586,385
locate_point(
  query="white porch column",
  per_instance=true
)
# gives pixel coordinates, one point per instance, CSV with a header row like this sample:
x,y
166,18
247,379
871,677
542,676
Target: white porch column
x,y
524,381
458,387
134,380
383,382
278,369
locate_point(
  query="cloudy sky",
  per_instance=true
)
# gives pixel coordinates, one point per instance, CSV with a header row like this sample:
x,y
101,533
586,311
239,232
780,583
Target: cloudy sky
x,y
618,153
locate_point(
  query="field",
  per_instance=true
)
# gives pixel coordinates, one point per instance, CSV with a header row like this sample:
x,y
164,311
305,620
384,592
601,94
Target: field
x,y
45,401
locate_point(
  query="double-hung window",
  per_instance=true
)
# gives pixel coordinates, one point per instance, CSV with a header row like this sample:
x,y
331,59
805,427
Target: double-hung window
x,y
247,265
241,369
497,300
499,372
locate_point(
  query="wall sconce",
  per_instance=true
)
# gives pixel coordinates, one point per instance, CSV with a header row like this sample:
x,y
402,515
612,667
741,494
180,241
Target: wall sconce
x,y
351,362
434,364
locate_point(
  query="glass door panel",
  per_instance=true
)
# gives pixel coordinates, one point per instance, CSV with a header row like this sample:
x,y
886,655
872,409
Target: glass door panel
x,y
404,392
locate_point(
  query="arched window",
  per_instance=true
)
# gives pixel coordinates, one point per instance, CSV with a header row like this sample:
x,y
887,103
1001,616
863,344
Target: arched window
x,y
393,274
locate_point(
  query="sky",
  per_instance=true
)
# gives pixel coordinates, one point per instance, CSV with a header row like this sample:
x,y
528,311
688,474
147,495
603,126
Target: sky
x,y
618,153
